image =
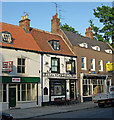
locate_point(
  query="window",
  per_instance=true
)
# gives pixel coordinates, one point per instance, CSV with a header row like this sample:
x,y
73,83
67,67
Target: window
x,y
55,65
87,87
45,91
98,86
55,44
83,61
96,48
100,63
108,51
83,45
92,64
57,87
6,37
27,92
20,65
3,93
70,67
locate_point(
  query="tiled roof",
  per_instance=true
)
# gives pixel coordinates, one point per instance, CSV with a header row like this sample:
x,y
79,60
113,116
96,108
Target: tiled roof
x,y
21,39
78,39
42,38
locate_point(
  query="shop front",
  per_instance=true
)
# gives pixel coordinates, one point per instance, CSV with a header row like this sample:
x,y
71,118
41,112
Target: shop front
x,y
60,87
93,84
19,92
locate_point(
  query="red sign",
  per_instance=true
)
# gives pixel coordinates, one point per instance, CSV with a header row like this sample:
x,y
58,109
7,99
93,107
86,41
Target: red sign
x,y
15,79
7,66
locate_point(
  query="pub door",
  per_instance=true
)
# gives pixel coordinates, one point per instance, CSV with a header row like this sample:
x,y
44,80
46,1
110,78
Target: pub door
x,y
72,89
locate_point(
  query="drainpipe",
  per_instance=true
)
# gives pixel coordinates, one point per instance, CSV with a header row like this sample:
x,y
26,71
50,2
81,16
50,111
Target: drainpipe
x,y
42,78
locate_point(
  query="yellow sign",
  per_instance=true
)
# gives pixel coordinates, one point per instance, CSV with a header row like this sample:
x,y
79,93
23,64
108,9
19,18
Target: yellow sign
x,y
110,66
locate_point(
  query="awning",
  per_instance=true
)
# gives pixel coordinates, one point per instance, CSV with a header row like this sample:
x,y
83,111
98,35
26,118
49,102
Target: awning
x,y
91,76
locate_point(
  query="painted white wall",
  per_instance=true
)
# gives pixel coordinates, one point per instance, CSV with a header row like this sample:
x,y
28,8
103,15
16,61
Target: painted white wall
x,y
33,69
46,68
32,62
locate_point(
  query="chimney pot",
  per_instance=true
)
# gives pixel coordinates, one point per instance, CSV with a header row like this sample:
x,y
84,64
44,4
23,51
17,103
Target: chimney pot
x,y
55,22
89,33
26,16
21,17
25,23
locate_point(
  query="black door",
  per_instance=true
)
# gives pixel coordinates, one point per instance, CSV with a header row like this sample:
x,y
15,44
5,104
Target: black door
x,y
72,89
12,96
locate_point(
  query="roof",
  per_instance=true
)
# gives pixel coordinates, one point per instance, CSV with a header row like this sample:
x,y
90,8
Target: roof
x,y
21,39
42,38
78,39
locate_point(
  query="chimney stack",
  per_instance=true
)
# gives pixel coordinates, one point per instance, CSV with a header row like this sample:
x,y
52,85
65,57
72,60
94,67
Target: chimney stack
x,y
55,22
89,33
25,23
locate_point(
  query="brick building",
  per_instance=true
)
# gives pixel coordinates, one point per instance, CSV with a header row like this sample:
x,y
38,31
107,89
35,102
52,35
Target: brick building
x,y
92,56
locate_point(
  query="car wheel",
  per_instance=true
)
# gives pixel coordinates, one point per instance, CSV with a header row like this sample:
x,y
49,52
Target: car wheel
x,y
101,105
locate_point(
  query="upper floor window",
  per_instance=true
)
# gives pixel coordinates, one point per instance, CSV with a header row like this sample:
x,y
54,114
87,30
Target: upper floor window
x,y
100,63
6,37
83,61
96,48
92,64
21,65
55,65
108,51
70,67
83,45
55,44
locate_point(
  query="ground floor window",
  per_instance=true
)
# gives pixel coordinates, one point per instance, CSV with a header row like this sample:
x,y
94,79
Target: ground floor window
x,y
98,86
3,93
27,92
92,86
57,87
87,87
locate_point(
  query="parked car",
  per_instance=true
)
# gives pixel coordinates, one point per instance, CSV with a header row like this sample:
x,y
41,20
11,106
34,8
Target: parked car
x,y
5,116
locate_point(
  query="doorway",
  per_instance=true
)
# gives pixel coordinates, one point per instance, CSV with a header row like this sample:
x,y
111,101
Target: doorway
x,y
12,96
72,89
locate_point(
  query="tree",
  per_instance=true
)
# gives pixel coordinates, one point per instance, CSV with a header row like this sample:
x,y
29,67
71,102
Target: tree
x,y
105,16
66,27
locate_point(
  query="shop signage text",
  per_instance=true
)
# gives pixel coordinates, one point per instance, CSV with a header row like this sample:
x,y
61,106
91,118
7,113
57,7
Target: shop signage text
x,y
59,75
16,80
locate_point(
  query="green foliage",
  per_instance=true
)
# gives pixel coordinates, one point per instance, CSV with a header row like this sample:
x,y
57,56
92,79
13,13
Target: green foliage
x,y
66,27
105,15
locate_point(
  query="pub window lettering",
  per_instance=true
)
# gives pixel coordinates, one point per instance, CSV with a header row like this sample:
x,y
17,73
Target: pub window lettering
x,y
20,65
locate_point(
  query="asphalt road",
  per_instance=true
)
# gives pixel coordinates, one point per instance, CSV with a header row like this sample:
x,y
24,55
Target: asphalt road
x,y
96,113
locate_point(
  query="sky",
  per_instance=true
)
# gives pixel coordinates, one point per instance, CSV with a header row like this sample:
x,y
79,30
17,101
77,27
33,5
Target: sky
x,y
75,14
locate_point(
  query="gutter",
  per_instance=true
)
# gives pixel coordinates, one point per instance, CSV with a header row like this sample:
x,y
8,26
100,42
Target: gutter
x,y
40,52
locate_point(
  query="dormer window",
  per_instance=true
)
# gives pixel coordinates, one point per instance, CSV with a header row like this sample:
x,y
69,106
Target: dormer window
x,y
6,37
96,48
83,45
108,51
54,44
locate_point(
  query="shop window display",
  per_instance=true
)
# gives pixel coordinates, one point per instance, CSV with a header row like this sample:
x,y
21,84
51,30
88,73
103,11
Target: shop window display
x,y
57,88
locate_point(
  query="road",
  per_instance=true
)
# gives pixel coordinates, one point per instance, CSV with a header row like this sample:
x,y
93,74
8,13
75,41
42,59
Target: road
x,y
100,113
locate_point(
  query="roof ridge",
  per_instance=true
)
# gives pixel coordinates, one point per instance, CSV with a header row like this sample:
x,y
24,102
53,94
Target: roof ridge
x,y
46,32
10,24
85,37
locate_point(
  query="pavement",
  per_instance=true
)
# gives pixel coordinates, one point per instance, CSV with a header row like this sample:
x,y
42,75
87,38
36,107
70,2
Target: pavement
x,y
49,110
